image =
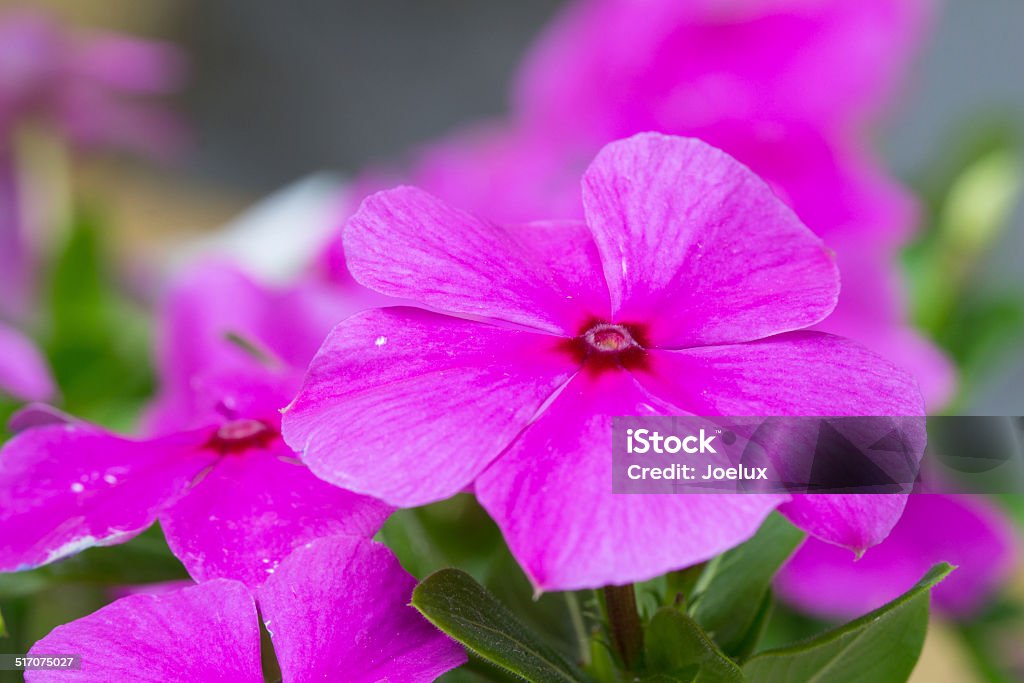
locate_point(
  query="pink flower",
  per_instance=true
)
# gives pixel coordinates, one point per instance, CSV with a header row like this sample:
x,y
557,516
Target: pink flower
x,y
337,609
683,292
967,531
23,372
232,498
88,85
756,78
672,66
838,190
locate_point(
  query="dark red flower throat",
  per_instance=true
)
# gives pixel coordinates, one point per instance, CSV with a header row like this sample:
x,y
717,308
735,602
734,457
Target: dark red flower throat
x,y
236,436
603,346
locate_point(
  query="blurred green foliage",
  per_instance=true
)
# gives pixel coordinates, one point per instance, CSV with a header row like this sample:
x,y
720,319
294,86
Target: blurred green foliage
x,y
969,198
95,336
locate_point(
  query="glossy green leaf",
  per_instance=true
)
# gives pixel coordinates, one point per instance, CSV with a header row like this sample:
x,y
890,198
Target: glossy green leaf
x,y
881,647
733,586
454,602
679,649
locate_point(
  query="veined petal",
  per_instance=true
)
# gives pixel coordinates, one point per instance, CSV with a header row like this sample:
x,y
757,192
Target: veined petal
x,y
409,406
798,373
339,608
253,508
697,246
551,495
801,374
207,632
409,244
64,488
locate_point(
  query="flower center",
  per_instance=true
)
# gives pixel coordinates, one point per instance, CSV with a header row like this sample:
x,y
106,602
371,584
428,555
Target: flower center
x,y
603,346
239,435
609,338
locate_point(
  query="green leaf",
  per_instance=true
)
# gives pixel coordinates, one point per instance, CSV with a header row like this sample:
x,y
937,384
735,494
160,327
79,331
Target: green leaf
x,y
452,533
454,602
679,649
95,337
3,627
758,627
734,585
881,647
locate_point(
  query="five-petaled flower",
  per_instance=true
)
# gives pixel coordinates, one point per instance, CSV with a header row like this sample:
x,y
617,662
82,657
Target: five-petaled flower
x,y
683,292
232,498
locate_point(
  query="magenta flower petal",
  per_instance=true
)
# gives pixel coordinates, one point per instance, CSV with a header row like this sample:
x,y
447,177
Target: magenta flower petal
x,y
836,188
502,172
551,495
409,244
23,372
214,300
670,217
609,68
204,633
703,261
798,373
252,509
852,521
871,311
64,488
38,415
341,605
831,582
395,392
803,374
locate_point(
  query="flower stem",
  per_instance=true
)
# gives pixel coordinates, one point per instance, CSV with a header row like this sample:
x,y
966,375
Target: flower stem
x,y
579,629
626,630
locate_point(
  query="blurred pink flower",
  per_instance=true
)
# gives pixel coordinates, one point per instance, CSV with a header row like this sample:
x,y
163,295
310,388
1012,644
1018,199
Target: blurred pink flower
x,y
232,498
605,69
94,88
337,609
782,85
838,190
966,531
91,86
16,261
680,294
23,371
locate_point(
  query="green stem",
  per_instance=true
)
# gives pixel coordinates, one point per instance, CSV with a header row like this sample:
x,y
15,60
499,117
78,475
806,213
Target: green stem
x,y
626,630
578,627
